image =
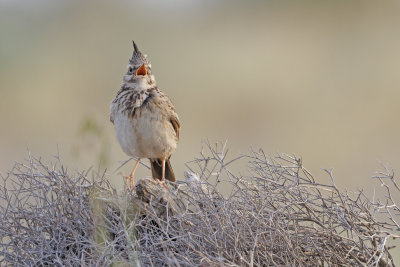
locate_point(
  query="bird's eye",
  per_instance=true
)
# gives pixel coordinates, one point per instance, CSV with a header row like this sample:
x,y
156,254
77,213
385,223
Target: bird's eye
x,y
130,69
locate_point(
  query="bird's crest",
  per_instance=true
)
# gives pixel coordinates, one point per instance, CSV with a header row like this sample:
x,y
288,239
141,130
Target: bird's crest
x,y
137,57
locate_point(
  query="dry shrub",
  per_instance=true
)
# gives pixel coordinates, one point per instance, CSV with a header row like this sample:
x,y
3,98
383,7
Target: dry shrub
x,y
275,214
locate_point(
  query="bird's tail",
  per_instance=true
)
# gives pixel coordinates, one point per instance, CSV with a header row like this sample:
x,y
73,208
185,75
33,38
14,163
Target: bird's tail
x,y
156,170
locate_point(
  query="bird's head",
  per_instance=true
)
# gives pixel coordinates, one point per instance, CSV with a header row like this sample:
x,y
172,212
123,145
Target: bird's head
x,y
138,70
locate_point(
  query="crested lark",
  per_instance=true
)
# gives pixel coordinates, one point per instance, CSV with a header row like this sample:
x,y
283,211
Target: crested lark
x,y
145,120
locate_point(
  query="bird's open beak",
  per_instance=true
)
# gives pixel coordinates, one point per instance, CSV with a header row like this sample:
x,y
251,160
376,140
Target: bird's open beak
x,y
141,71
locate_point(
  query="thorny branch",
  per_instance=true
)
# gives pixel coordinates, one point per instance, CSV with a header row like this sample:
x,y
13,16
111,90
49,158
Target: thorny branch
x,y
252,210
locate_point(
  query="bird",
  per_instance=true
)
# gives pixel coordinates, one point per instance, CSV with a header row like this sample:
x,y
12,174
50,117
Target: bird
x,y
145,121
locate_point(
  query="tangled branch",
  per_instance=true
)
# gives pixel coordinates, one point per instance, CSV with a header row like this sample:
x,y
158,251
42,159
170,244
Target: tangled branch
x,y
252,210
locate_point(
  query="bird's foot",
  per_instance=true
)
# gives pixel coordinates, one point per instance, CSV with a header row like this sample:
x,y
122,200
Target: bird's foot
x,y
128,181
162,182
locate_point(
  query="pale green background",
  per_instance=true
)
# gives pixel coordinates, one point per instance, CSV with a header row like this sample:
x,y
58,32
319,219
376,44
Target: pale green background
x,y
316,78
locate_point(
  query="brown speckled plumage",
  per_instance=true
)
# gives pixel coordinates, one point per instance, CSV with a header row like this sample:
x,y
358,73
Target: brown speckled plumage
x,y
144,118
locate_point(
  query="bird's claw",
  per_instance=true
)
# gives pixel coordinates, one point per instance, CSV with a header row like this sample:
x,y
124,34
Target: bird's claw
x,y
128,181
162,182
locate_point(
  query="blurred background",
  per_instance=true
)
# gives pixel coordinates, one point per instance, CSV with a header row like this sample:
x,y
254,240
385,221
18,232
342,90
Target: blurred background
x,y
319,79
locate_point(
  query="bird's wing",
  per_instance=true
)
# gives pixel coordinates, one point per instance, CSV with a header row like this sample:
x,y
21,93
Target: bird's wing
x,y
175,124
163,101
113,109
174,119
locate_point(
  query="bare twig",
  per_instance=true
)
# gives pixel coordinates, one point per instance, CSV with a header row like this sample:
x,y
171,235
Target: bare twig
x,y
275,214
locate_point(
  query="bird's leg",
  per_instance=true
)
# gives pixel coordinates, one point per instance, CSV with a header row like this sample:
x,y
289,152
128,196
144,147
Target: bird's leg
x,y
131,185
163,175
163,171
